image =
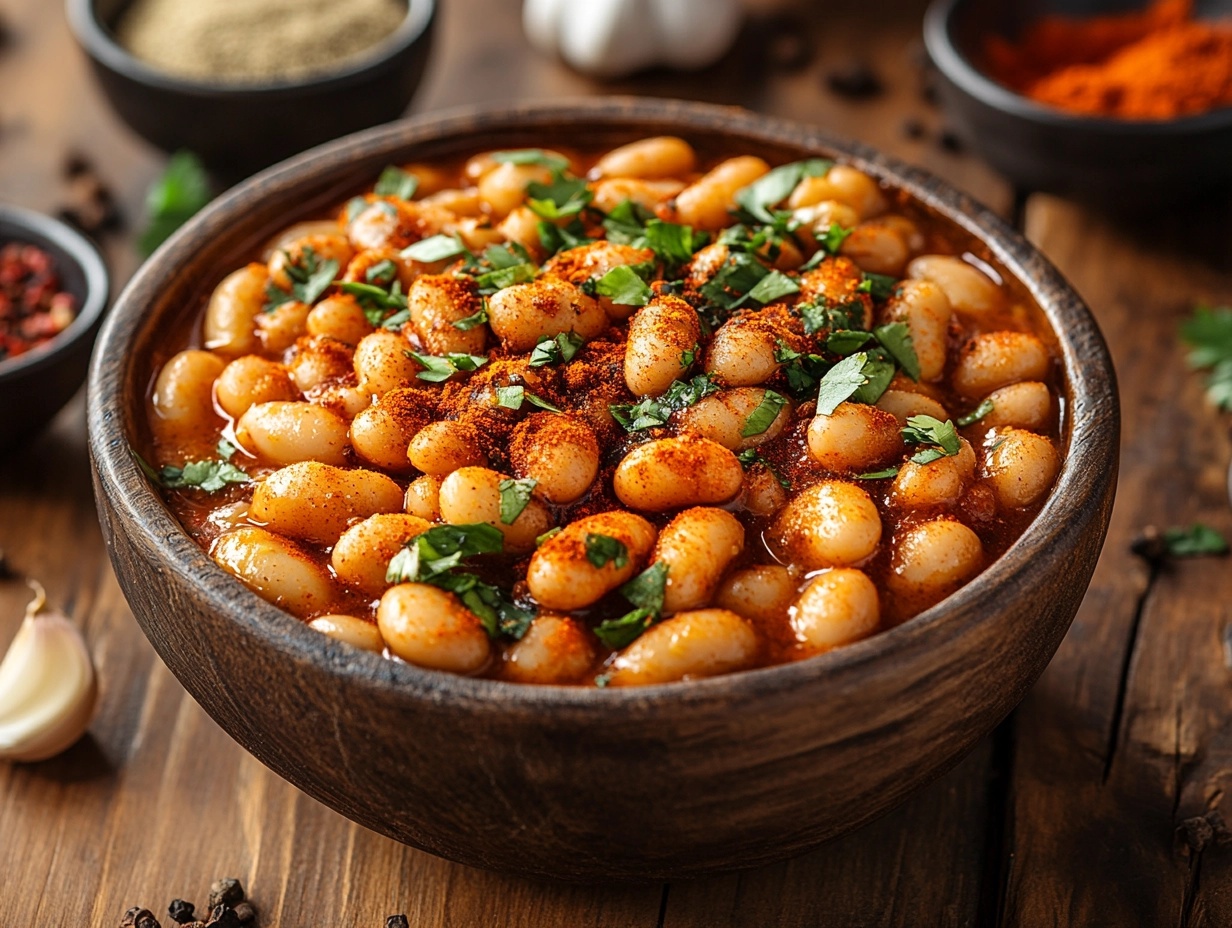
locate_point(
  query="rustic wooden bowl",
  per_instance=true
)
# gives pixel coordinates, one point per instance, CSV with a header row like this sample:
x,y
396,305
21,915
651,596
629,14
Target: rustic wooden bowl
x,y
590,784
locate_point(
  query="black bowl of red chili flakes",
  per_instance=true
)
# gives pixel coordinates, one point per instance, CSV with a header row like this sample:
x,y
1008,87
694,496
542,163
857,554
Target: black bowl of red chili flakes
x,y
53,290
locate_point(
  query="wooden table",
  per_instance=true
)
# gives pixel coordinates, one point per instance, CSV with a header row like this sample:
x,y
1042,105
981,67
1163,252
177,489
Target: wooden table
x,y
1097,803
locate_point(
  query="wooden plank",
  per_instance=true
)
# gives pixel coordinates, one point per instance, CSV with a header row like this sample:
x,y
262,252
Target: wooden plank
x,y
1126,736
159,801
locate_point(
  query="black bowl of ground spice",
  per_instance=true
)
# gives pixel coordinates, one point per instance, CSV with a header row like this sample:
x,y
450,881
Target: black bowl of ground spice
x,y
1121,103
246,83
53,290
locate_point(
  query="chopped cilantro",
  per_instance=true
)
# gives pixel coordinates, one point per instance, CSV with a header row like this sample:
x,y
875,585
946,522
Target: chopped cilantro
x,y
624,287
1196,540
556,238
504,277
776,186
774,285
515,497
1209,334
564,196
750,456
477,318
740,273
438,368
803,371
878,474
841,382
310,277
878,372
602,550
620,633
383,272
828,318
210,476
895,338
940,438
833,240
688,356
976,414
626,223
180,193
847,341
647,589
550,533
435,248
764,415
395,182
879,286
672,243
651,411
512,398
558,349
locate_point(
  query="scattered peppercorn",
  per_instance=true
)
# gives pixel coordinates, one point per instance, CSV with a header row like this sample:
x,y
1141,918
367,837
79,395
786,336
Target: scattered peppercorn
x,y
137,917
6,569
181,911
91,206
914,128
227,891
245,913
33,309
786,43
397,921
949,141
855,80
223,916
1149,545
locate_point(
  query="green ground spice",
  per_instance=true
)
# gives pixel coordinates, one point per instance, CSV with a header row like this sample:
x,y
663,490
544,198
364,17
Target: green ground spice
x,y
255,41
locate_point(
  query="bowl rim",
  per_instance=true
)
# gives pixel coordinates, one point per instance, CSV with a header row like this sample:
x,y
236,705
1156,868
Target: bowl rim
x,y
45,230
1085,480
97,38
939,42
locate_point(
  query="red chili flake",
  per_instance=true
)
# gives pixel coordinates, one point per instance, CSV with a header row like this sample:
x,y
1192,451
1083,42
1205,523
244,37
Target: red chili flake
x,y
33,308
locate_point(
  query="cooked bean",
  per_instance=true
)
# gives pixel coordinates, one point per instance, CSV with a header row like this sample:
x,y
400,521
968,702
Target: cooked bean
x,y
648,194
522,226
472,494
280,327
285,433
562,575
932,560
924,307
442,447
328,246
937,483
969,289
561,452
275,568
697,545
836,282
250,380
877,247
659,335
315,502
742,352
997,359
687,646
672,473
361,556
339,317
555,649
382,433
836,608
664,156
439,301
763,494
830,524
229,326
423,498
845,184
762,594
522,314
592,262
429,627
725,417
854,438
903,404
1026,405
293,233
317,360
816,220
344,399
381,363
1021,467
183,392
705,204
504,187
356,632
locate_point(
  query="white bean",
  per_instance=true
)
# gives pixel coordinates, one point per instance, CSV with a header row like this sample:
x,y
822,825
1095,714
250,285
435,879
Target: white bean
x,y
437,302
429,627
563,576
725,417
697,545
830,524
472,494
522,314
381,363
996,359
230,317
924,307
1026,405
358,633
672,473
275,568
932,560
315,502
705,204
382,432
442,447
561,452
836,608
361,556
250,380
423,498
1021,467
183,392
970,291
761,594
288,432
703,643
854,438
659,336
663,156
555,649
938,483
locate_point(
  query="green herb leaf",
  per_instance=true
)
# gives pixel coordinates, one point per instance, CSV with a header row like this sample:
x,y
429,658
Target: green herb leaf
x,y
774,285
395,182
515,497
647,589
435,248
730,286
439,368
564,196
556,238
225,449
531,156
879,474
764,415
878,372
817,318
1209,333
672,243
396,321
833,240
803,371
179,194
776,186
750,456
879,286
477,318
976,414
210,476
376,297
941,437
651,411
626,223
688,357
1196,540
542,403
895,338
381,273
310,277
847,341
550,533
558,349
512,398
841,382
624,287
504,277
620,633
354,207
602,550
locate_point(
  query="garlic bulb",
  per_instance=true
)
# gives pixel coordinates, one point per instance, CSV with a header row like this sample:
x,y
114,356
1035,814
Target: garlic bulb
x,y
612,38
48,689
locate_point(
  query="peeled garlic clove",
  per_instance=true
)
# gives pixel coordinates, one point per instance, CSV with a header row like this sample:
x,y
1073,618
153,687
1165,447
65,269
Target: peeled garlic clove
x,y
48,690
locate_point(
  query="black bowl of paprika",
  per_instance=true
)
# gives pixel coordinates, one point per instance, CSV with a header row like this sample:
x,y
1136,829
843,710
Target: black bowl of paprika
x,y
1112,102
53,290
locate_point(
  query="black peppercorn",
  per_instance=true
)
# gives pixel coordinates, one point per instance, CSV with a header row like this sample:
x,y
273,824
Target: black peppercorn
x,y
227,891
949,141
245,913
914,128
137,917
855,80
223,916
181,911
396,921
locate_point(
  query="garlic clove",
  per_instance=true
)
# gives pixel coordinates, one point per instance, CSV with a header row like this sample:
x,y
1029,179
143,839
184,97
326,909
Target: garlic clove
x,y
48,688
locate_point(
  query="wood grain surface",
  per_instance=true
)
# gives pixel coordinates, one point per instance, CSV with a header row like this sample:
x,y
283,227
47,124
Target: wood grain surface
x,y
1067,816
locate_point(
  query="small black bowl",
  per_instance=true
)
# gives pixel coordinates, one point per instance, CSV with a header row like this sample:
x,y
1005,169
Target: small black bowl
x,y
35,386
237,128
1110,162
